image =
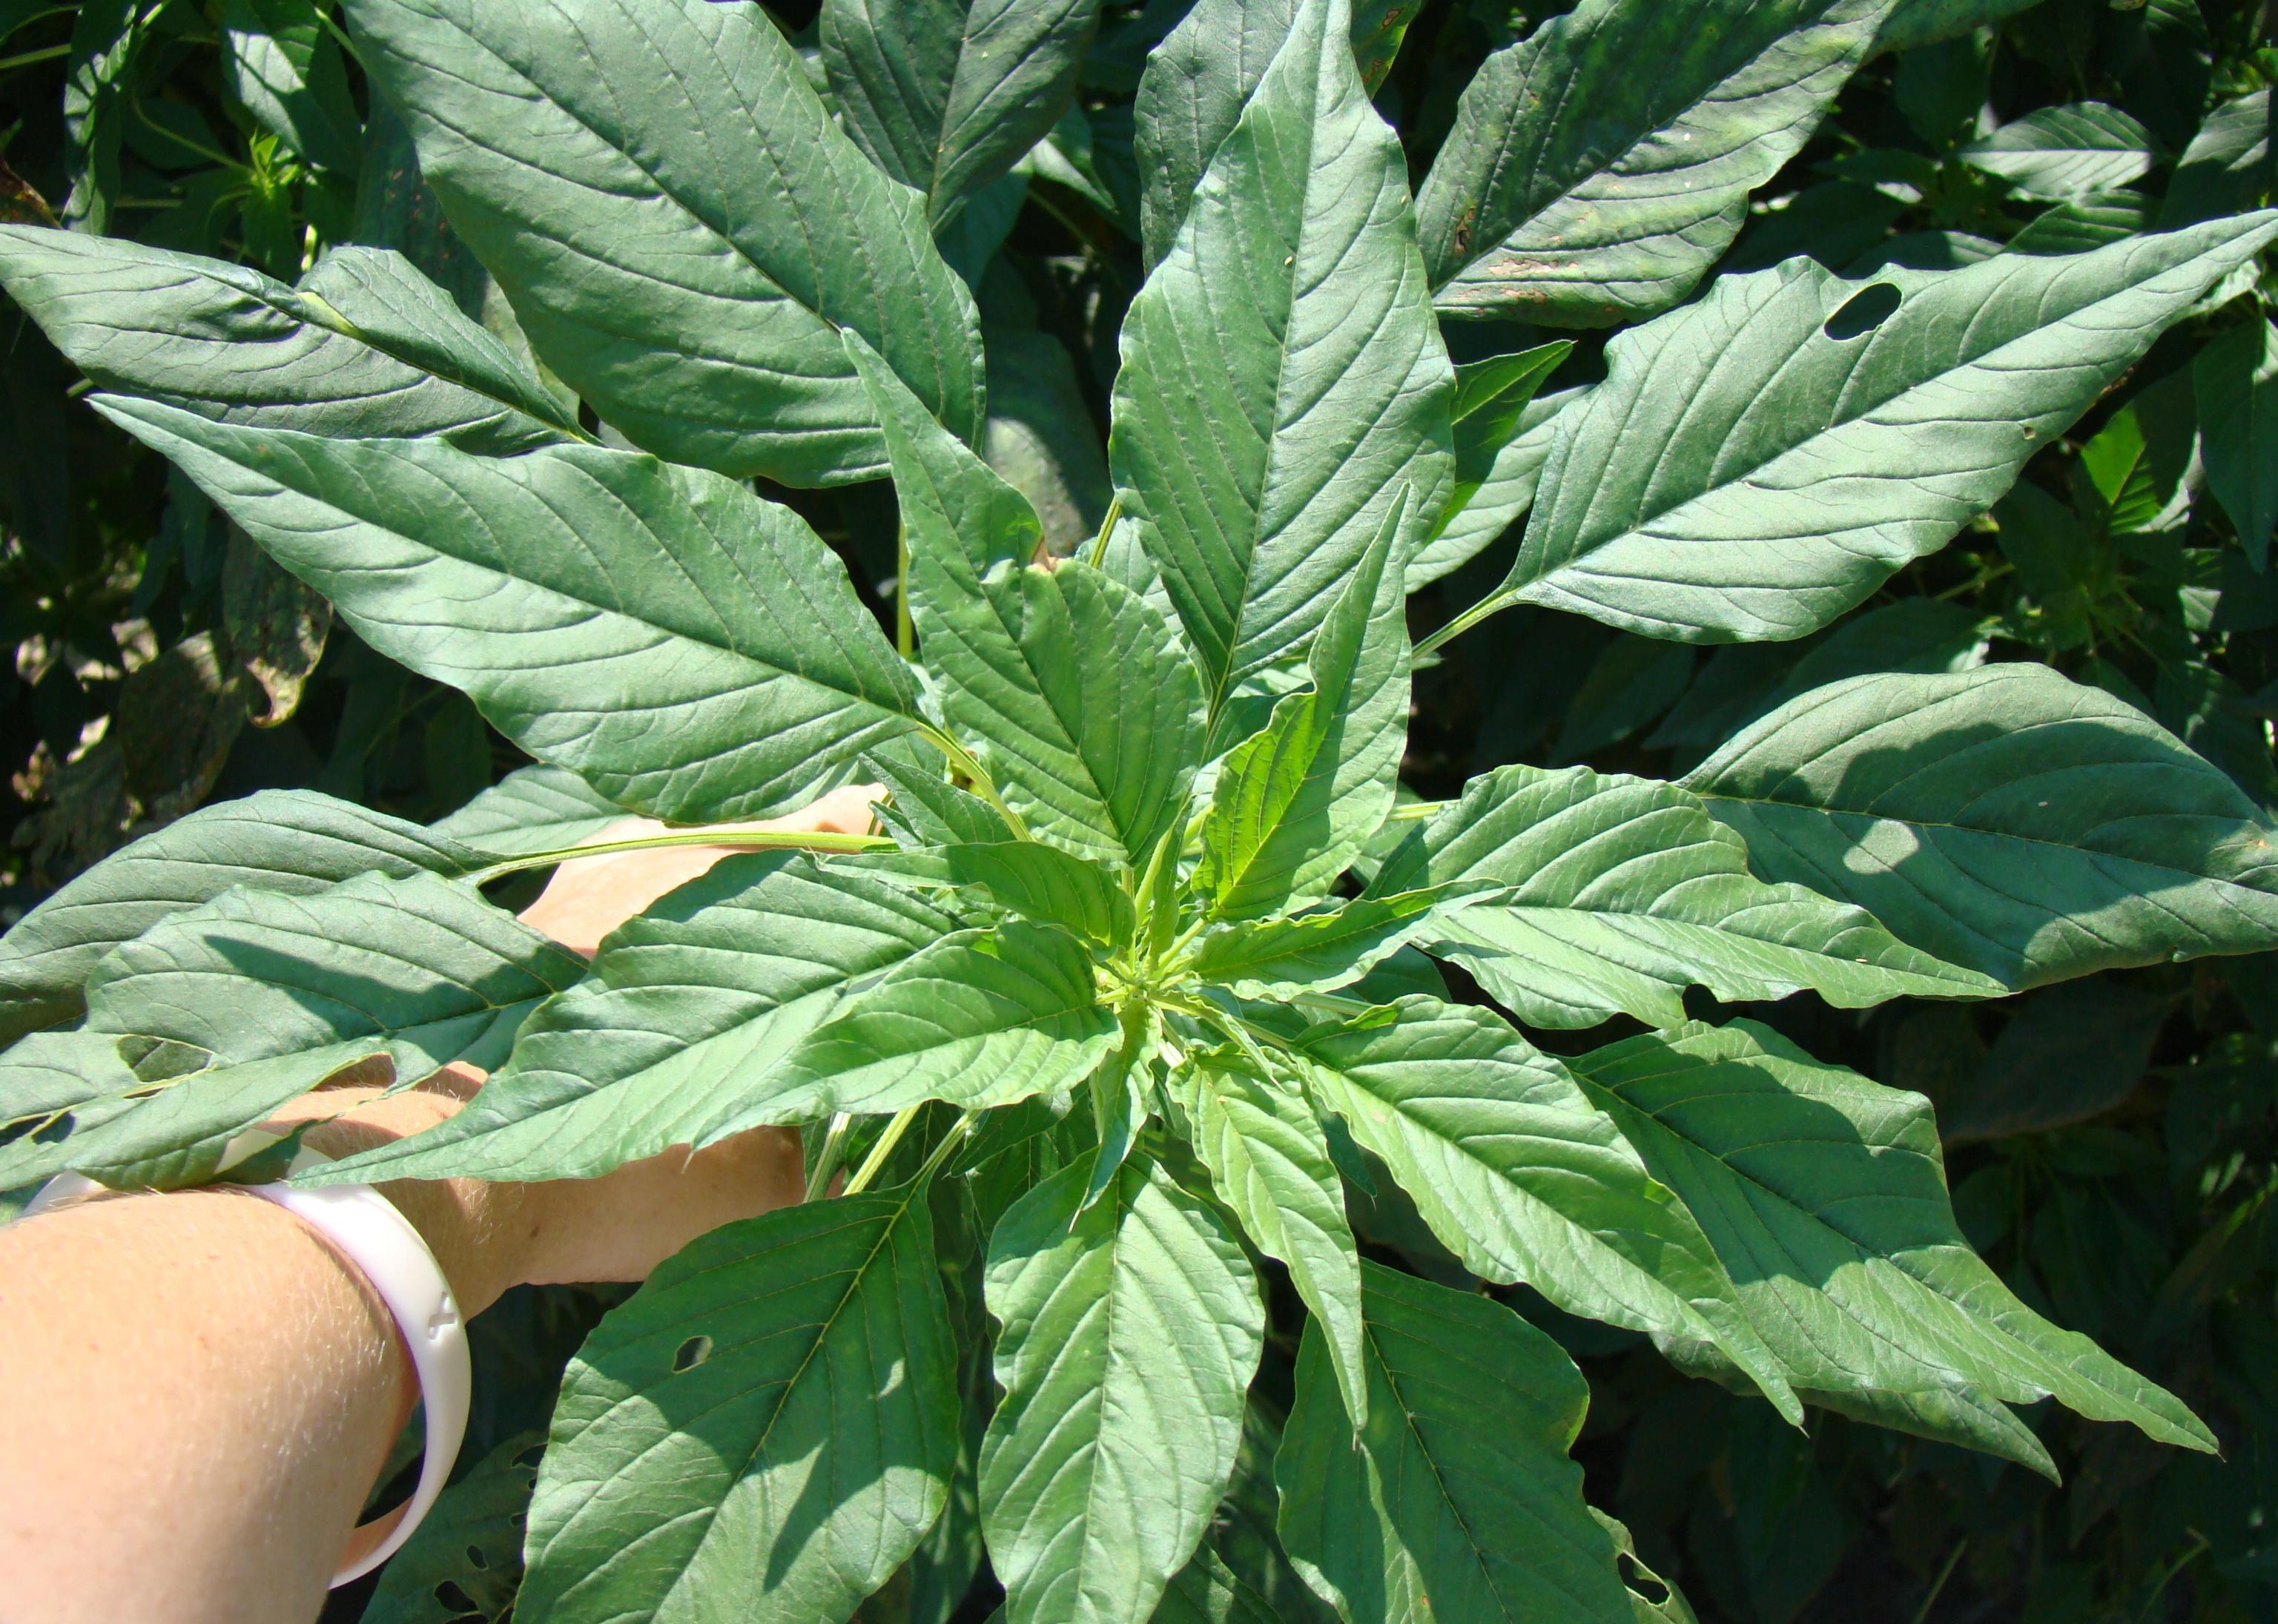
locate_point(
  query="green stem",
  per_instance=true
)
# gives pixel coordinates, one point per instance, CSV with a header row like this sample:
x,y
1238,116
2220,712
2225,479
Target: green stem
x,y
884,1148
1106,529
752,839
1491,604
961,759
950,1141
26,58
827,1159
1417,811
1938,1585
906,642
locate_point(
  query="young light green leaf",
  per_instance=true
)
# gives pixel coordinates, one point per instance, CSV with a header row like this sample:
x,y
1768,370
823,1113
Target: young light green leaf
x,y
2236,378
1087,713
689,1010
1471,1413
1677,509
1269,1161
1582,187
680,225
1472,518
1825,1196
688,649
765,1429
1623,892
1293,804
945,95
295,842
2065,152
1282,377
1522,1178
1122,1096
1317,952
288,71
531,810
923,808
2004,819
1129,1333
364,348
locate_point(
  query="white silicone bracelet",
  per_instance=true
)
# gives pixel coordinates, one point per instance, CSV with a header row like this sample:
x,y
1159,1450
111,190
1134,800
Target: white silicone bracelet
x,y
364,1226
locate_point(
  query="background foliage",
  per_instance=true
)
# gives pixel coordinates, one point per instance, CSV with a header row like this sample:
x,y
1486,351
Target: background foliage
x,y
2110,1140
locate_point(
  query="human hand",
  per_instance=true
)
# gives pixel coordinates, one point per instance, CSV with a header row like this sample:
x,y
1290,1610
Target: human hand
x,y
489,1236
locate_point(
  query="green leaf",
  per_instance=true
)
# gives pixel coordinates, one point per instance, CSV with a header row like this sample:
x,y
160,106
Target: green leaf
x,y
680,225
1317,952
2004,819
2085,222
364,348
531,810
1472,521
688,649
923,808
1087,713
2226,168
1282,377
107,37
1825,1196
1207,1591
691,1007
2067,152
1293,804
1199,79
1623,892
471,1541
2236,378
1047,885
1130,1332
1522,1178
1269,1161
1332,1520
765,1428
1581,188
945,95
294,842
1676,508
288,71
1924,22
1472,1412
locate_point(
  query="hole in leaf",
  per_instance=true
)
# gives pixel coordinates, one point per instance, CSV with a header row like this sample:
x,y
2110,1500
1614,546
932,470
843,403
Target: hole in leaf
x,y
1864,312
529,1459
456,1599
692,1353
476,1559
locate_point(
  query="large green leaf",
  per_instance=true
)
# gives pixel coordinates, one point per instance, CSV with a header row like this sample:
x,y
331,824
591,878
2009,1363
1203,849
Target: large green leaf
x,y
1524,1179
228,1009
1623,892
2067,152
680,225
1087,713
1130,1332
364,348
1207,1591
1602,164
1331,1519
945,95
1475,515
1675,506
1198,79
1471,1413
690,1007
1269,1161
531,810
1922,22
2235,380
765,1429
2004,819
688,649
1825,1196
1293,804
291,841
1282,377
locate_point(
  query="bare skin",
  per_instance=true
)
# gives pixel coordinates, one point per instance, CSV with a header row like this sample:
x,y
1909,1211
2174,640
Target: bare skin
x,y
199,1392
